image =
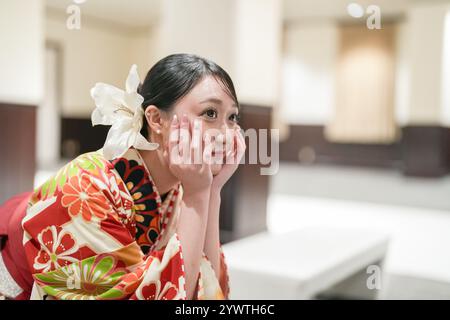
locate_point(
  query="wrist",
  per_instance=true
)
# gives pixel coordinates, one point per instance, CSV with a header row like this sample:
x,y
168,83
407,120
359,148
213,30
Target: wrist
x,y
214,207
215,195
191,196
216,187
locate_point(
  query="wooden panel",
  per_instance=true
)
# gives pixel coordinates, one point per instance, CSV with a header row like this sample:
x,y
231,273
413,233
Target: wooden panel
x,y
311,139
18,149
421,151
426,151
79,136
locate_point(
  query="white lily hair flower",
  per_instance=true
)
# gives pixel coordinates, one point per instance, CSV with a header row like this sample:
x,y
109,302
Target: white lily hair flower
x,y
123,112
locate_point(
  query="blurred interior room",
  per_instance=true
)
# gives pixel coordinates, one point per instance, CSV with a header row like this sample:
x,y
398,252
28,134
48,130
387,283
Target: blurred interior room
x,y
360,93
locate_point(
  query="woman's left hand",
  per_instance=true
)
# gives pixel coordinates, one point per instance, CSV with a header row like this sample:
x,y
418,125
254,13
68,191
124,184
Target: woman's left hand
x,y
234,157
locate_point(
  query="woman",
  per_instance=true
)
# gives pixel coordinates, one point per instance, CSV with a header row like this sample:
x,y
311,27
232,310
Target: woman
x,y
139,218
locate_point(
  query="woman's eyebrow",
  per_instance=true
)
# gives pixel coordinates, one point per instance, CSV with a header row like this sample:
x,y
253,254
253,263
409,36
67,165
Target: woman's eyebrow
x,y
217,101
214,100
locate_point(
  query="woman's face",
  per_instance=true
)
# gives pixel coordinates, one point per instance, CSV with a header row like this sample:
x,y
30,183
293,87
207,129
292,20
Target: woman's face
x,y
216,110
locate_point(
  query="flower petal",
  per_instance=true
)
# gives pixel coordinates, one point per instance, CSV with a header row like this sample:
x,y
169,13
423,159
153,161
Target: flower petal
x,y
97,118
143,144
118,139
123,110
133,101
133,81
107,100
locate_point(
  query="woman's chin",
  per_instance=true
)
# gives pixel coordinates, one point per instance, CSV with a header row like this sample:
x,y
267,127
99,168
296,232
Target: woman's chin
x,y
215,168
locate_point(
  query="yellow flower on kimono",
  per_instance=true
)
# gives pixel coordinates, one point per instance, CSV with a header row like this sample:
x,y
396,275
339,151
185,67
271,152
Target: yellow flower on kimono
x,y
123,111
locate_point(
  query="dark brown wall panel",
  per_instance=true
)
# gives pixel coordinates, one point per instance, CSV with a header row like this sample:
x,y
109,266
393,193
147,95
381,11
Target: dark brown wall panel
x,y
422,151
426,151
18,149
326,152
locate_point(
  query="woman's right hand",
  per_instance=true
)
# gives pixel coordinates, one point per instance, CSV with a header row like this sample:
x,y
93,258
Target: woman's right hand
x,y
184,157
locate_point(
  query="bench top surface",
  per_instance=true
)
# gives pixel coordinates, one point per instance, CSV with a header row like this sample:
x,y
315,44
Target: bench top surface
x,y
308,252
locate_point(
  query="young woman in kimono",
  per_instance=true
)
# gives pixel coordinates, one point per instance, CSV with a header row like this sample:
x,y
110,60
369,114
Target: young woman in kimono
x,y
139,218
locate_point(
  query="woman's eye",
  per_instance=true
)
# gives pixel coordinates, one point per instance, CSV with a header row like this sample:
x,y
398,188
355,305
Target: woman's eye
x,y
211,113
235,117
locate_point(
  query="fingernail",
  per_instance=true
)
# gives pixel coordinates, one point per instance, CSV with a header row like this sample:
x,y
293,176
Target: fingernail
x,y
175,118
196,124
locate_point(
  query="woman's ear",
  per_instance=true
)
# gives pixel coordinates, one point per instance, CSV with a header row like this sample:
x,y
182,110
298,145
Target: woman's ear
x,y
153,116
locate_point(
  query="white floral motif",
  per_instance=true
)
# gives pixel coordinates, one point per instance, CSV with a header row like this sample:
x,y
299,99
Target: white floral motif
x,y
56,248
122,110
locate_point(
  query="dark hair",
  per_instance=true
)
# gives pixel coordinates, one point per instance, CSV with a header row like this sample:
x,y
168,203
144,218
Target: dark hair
x,y
174,76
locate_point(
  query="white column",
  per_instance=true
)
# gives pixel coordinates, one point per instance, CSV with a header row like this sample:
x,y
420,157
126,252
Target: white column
x,y
445,109
22,53
308,77
242,36
427,60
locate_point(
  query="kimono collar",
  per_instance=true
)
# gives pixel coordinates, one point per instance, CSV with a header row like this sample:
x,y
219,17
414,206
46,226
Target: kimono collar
x,y
149,210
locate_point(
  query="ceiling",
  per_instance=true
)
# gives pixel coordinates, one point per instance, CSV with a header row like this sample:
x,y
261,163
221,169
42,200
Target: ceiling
x,y
130,13
295,10
141,13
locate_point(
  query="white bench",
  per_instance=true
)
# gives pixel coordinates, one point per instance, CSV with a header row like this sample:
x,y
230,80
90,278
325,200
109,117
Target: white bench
x,y
304,263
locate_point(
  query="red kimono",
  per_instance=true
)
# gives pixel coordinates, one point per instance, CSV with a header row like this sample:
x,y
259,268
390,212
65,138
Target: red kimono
x,y
99,229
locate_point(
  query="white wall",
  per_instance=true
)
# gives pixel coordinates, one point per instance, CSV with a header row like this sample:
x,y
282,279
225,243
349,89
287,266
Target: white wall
x,y
309,60
95,53
422,69
48,122
242,36
402,73
200,27
445,108
258,51
21,56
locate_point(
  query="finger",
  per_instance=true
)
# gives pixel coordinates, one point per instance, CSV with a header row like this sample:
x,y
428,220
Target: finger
x,y
207,152
174,135
196,142
166,156
229,145
240,146
185,139
218,149
229,139
174,138
233,154
233,151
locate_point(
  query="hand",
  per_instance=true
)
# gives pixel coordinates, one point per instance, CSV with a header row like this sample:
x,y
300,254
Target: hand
x,y
182,156
232,160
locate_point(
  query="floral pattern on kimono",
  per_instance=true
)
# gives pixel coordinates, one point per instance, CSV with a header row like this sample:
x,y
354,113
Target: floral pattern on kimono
x,y
99,229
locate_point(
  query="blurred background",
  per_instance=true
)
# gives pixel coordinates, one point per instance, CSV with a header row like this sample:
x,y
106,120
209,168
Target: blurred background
x,y
359,91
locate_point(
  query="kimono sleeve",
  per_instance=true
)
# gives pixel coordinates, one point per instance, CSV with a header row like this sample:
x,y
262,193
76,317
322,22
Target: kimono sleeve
x,y
224,279
79,245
